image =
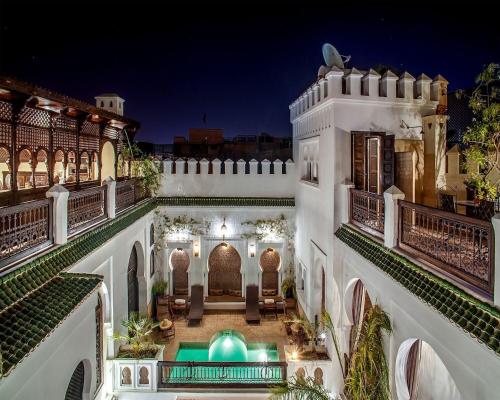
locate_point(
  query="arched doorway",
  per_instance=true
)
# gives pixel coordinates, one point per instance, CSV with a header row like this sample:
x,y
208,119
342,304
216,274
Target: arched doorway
x,y
24,170
224,271
59,167
5,175
108,161
41,169
79,384
358,303
136,280
179,263
133,282
421,374
269,264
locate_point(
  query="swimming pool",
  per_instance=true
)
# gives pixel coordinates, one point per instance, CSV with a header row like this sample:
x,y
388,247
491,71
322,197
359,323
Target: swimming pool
x,y
226,359
227,345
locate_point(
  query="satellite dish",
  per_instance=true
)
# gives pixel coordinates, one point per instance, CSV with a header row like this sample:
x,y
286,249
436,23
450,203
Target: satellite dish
x,y
332,56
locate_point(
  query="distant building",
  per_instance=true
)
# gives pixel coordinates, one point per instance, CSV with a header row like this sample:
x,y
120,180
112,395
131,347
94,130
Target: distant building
x,y
110,102
159,151
210,143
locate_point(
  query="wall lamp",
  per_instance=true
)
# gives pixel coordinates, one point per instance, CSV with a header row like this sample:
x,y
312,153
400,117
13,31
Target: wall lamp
x,y
404,125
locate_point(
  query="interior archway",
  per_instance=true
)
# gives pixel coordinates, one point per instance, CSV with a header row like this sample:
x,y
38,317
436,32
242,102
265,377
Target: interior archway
x,y
5,174
224,271
25,170
79,384
179,263
71,168
270,262
59,169
420,374
41,169
84,167
136,281
357,304
107,161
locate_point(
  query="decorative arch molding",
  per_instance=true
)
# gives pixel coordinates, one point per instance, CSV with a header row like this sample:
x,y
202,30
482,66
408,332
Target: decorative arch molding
x,y
225,269
269,266
139,270
179,263
420,373
80,381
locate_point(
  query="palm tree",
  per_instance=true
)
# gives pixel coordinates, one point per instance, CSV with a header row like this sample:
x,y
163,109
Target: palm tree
x,y
367,377
299,389
139,328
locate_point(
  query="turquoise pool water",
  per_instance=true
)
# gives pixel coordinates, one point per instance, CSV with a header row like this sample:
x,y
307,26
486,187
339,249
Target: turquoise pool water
x,y
227,345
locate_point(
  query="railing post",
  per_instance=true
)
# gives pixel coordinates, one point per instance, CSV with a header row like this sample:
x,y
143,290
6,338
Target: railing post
x,y
345,201
391,216
496,262
60,196
110,197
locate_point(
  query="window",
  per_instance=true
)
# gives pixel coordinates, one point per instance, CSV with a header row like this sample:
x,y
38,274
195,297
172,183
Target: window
x,y
152,263
309,156
151,235
111,104
119,105
102,103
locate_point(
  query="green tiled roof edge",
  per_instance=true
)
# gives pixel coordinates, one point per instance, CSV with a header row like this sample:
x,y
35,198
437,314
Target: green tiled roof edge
x,y
19,283
477,318
227,201
20,337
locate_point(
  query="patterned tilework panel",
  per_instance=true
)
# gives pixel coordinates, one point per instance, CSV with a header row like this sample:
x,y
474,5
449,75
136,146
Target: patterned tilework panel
x,y
478,319
28,322
226,201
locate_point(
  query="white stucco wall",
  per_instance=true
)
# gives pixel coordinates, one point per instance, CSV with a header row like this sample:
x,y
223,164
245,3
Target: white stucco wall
x,y
228,184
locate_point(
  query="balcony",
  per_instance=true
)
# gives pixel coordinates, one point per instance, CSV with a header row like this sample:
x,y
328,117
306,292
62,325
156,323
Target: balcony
x,y
38,225
456,247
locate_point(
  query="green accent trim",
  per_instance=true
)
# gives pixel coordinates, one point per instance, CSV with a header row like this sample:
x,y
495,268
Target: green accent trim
x,y
226,201
24,280
26,324
37,297
477,318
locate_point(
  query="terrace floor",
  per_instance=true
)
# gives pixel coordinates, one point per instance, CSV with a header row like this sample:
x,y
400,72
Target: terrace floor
x,y
269,330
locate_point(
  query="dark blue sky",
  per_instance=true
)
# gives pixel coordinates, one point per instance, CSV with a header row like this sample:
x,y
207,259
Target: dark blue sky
x,y
240,63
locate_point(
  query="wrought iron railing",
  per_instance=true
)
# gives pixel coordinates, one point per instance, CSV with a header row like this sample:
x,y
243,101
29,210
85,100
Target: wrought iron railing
x,y
86,207
125,194
24,227
173,374
460,246
367,211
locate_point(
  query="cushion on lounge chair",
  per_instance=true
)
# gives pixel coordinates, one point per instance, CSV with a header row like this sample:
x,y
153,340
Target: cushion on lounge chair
x,y
216,292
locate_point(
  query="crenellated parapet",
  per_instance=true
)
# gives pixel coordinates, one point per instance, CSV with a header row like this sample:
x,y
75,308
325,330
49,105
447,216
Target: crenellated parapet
x,y
228,178
355,85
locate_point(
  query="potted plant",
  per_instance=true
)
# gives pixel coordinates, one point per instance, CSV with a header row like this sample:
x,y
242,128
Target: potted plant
x,y
138,341
159,288
289,292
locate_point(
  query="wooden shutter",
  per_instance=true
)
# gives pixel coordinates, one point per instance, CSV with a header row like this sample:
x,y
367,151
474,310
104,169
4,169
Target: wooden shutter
x,y
387,162
358,160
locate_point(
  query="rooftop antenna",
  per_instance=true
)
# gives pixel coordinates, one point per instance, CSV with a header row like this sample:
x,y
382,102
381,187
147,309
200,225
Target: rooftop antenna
x,y
333,58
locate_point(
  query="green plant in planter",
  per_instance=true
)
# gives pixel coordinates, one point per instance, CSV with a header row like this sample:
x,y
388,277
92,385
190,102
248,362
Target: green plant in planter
x,y
142,167
139,329
288,288
159,288
299,389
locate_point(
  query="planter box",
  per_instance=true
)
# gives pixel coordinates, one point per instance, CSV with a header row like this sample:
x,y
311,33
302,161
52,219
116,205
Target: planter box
x,y
132,374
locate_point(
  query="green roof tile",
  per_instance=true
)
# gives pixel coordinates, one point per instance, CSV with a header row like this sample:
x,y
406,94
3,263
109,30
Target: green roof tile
x,y
226,201
477,318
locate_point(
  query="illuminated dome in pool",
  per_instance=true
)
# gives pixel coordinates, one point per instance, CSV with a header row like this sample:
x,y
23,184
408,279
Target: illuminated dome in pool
x,y
228,345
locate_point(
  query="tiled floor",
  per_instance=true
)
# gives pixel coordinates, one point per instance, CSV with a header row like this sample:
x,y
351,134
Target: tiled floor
x,y
269,330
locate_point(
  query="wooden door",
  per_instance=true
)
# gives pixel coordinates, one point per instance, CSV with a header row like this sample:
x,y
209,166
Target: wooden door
x,y
358,160
74,390
387,162
373,164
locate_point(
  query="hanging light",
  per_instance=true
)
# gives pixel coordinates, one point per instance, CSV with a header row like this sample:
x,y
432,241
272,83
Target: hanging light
x,y
223,228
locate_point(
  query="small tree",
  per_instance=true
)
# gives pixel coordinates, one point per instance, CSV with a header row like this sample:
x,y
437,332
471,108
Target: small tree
x,y
139,329
483,136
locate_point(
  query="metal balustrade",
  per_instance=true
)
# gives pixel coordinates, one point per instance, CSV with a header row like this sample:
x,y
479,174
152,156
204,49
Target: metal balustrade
x,y
173,374
367,211
460,246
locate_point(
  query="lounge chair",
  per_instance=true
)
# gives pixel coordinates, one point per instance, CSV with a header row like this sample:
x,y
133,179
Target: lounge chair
x,y
196,309
252,304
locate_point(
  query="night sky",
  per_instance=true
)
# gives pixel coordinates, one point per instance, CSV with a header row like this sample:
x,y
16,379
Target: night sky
x,y
240,63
